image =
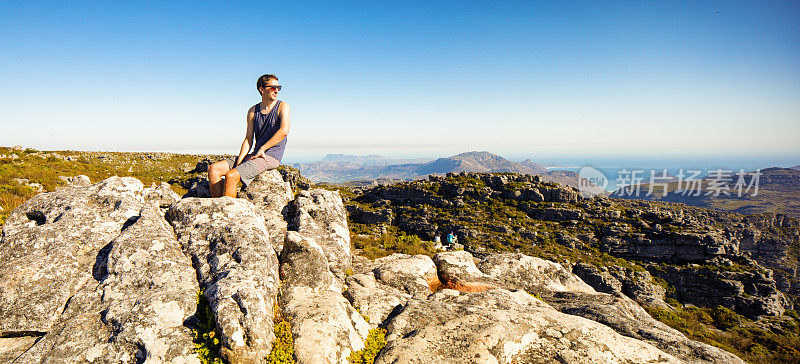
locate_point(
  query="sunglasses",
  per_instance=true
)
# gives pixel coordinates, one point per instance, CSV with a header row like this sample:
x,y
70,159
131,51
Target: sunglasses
x,y
276,88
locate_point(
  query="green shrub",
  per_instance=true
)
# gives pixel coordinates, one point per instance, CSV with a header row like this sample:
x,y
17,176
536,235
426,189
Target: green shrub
x,y
725,318
206,338
283,348
376,341
391,242
727,330
412,245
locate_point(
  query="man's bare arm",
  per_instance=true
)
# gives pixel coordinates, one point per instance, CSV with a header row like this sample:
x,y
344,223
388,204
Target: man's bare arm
x,y
280,134
248,137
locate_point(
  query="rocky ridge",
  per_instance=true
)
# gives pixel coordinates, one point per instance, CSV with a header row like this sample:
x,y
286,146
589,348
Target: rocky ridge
x,y
703,257
109,272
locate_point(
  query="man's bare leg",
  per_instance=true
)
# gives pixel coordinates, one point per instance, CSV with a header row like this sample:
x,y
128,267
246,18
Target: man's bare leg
x,y
232,179
215,173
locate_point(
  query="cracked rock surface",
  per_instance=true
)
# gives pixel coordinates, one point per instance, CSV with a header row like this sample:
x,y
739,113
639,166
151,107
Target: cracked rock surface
x,y
237,268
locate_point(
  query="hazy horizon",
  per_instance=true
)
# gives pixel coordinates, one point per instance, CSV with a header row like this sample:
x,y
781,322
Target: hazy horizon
x,y
620,161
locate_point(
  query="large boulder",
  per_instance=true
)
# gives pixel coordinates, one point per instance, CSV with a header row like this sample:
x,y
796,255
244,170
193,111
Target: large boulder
x,y
271,195
501,326
138,312
411,274
151,290
50,249
325,326
320,215
303,263
599,278
457,271
237,268
162,195
375,300
534,275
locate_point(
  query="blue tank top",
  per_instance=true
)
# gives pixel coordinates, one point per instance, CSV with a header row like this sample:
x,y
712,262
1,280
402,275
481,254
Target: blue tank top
x,y
265,127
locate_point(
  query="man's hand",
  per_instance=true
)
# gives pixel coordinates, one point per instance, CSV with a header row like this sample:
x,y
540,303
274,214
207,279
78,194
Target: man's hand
x,y
259,154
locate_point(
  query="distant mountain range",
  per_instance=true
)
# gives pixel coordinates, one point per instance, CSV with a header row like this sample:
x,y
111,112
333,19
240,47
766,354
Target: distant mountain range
x,y
368,160
372,169
778,191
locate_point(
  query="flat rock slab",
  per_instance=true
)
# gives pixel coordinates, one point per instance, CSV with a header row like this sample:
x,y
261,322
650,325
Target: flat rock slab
x,y
628,318
499,326
534,275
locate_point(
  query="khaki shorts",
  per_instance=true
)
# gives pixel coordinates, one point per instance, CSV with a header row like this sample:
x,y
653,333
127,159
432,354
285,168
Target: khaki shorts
x,y
249,169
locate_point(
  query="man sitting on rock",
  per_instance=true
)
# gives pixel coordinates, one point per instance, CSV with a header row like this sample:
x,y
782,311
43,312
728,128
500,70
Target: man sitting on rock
x,y
268,124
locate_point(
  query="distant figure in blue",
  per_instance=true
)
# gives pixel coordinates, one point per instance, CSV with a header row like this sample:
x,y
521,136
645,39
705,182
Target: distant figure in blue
x,y
267,126
451,238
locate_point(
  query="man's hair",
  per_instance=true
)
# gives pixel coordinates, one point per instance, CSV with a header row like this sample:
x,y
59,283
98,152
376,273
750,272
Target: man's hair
x,y
262,81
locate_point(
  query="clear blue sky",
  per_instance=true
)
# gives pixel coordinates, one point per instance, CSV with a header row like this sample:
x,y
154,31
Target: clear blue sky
x,y
545,80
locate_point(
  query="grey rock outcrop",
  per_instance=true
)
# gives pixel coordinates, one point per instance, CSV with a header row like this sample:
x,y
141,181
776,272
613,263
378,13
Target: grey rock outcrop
x,y
505,327
271,195
457,271
554,213
617,280
359,215
568,294
139,310
411,274
51,242
320,215
162,194
389,282
150,291
373,299
534,275
116,286
120,285
237,267
79,335
325,327
627,318
753,294
303,263
78,181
